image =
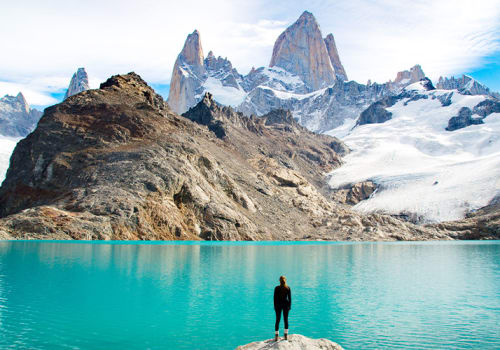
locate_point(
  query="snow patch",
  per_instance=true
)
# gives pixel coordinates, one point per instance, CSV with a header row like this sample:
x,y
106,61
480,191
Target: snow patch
x,y
226,95
7,145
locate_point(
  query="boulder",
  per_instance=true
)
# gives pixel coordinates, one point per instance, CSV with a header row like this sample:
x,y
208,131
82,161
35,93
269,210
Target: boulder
x,y
294,342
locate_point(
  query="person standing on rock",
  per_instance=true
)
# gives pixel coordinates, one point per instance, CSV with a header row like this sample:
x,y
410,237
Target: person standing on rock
x,y
282,302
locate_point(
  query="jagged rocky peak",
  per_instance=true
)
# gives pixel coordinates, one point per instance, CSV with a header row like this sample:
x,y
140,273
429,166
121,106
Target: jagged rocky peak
x,y
22,100
335,58
192,52
301,50
207,112
79,82
188,74
406,77
16,116
465,85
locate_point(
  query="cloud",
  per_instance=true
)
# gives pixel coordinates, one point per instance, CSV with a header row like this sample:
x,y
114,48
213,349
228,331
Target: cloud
x,y
35,95
50,40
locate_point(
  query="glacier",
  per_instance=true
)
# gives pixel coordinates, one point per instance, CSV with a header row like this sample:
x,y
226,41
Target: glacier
x,y
421,169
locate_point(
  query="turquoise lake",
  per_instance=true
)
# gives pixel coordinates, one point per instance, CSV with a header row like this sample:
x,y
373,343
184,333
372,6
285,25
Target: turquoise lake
x,y
80,295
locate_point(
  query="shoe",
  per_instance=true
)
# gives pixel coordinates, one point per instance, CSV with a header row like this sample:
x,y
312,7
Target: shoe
x,y
276,336
286,334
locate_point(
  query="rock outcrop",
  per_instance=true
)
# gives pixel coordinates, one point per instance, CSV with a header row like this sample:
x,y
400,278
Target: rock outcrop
x,y
294,342
462,120
17,119
405,78
79,82
301,50
465,85
117,163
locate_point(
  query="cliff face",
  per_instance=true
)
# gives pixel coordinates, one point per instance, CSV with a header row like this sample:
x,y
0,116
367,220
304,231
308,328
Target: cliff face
x,y
79,82
335,58
187,75
301,50
17,119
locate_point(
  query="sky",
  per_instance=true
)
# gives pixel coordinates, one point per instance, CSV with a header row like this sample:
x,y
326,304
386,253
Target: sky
x,y
44,42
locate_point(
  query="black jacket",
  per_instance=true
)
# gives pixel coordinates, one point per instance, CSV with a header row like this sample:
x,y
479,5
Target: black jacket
x,y
282,298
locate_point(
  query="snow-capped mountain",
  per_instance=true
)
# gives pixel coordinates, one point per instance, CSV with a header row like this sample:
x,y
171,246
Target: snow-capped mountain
x,y
466,85
434,154
305,75
79,82
17,119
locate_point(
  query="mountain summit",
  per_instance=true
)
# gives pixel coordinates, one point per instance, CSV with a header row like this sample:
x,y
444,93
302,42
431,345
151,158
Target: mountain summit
x,y
79,82
17,118
301,50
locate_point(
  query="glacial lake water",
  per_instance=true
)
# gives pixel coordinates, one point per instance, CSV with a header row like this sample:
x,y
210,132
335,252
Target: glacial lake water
x,y
80,295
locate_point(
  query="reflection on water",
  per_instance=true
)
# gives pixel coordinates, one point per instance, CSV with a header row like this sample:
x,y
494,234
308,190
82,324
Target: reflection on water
x,y
216,296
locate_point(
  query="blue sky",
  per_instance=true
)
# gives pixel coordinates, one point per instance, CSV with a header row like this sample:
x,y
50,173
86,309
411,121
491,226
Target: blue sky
x,y
45,42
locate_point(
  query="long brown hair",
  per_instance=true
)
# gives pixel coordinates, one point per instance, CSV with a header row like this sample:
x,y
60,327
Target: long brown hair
x,y
283,282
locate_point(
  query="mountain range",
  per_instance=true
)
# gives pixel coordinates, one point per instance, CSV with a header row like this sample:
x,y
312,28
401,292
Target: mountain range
x,y
117,163
305,75
289,151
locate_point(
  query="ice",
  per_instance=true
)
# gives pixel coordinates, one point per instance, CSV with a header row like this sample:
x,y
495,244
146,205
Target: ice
x,y
419,166
226,95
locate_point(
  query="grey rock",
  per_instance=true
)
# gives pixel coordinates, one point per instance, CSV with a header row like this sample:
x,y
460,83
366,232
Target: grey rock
x,y
294,342
445,99
376,112
462,120
486,107
17,118
79,82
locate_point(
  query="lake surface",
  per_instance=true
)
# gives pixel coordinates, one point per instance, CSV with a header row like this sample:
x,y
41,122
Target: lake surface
x,y
428,295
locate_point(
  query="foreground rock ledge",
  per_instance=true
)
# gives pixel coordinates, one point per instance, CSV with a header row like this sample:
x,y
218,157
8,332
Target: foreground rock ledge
x,y
295,341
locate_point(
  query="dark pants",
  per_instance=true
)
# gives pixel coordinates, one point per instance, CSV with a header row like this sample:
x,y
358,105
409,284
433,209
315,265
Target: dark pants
x,y
278,318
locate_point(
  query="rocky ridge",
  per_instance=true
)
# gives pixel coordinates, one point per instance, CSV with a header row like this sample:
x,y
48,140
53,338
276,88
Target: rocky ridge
x,y
17,118
117,163
465,85
79,82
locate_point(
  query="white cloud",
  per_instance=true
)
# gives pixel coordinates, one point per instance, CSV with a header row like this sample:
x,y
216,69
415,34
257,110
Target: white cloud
x,y
49,40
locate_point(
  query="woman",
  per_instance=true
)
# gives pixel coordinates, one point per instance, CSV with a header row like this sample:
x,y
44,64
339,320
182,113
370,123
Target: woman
x,y
282,301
